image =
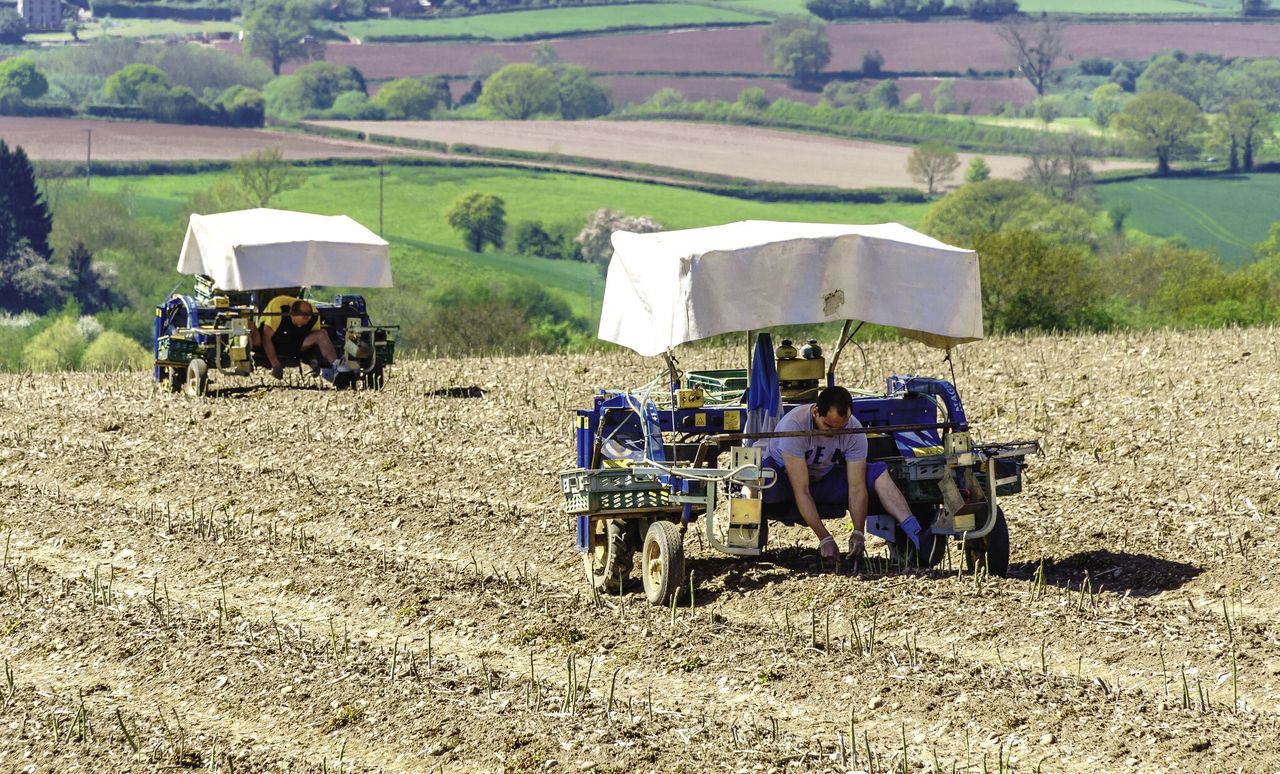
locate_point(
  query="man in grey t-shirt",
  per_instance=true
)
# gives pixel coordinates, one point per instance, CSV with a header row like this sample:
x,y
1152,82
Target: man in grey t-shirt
x,y
832,469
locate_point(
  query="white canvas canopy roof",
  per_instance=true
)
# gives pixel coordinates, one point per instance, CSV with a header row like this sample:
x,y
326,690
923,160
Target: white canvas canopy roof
x,y
671,287
264,248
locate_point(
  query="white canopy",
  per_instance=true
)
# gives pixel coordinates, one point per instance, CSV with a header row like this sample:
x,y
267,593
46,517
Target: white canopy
x,y
264,248
671,287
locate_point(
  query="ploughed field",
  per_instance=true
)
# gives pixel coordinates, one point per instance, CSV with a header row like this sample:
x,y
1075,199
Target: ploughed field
x,y
307,580
908,47
736,151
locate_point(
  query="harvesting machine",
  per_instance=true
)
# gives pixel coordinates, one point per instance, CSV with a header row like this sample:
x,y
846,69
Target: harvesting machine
x,y
242,261
686,447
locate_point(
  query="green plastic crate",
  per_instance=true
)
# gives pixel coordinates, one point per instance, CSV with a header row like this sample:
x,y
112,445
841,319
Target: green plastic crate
x,y
611,491
176,350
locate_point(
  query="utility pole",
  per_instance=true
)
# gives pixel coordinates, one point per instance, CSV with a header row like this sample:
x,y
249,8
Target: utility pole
x,y
88,158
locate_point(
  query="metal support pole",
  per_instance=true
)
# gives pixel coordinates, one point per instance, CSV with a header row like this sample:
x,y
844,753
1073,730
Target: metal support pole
x,y
381,170
88,158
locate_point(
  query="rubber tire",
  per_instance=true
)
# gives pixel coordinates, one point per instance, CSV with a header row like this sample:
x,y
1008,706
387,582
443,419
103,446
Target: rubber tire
x,y
932,547
177,378
662,562
345,380
196,384
609,569
991,551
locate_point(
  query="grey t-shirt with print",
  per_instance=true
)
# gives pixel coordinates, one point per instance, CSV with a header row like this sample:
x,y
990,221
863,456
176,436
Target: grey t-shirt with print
x,y
820,453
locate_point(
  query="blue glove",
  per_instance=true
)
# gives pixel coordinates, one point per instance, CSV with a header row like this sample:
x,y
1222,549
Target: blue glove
x,y
913,530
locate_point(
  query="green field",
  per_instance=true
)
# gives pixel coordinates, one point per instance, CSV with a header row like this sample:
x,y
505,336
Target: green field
x,y
551,21
1228,215
427,254
137,28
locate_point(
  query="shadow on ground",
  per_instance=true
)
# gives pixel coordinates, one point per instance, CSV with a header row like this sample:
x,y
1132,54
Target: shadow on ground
x,y
1141,575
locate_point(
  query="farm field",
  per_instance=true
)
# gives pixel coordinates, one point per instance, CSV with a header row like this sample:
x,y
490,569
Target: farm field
x,y
1229,215
516,24
138,28
951,46
758,154
63,139
387,585
426,254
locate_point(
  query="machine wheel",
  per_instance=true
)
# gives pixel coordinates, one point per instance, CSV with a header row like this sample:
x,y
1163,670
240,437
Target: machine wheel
x,y
991,551
608,563
662,562
196,383
932,547
177,378
345,380
374,380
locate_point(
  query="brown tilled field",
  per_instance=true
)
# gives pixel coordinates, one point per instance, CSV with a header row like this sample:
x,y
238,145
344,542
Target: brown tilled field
x,y
307,580
66,139
950,46
737,151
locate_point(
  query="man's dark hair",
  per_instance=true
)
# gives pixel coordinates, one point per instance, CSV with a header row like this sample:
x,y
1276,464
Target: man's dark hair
x,y
837,398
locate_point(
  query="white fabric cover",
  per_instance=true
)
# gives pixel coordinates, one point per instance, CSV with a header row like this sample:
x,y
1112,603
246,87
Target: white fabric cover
x,y
671,287
265,248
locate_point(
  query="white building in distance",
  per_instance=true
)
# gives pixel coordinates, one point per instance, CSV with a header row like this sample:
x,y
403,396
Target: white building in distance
x,y
41,15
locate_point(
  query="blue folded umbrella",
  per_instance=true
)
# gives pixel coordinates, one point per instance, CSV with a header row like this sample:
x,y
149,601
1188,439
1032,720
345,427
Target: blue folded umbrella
x,y
764,396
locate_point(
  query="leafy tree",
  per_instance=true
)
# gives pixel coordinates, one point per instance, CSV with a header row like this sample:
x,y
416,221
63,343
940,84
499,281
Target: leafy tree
x,y
56,348
944,96
596,237
1035,46
1176,285
1108,100
1031,283
281,31
579,95
1059,166
264,174
92,284
480,218
12,26
311,88
356,106
1246,125
19,76
977,171
410,98
753,98
532,239
113,351
23,202
846,94
521,91
979,208
1163,124
872,64
884,94
932,164
802,54
125,87
243,106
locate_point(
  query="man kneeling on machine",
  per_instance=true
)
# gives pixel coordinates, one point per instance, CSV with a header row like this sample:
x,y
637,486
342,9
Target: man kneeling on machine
x,y
832,469
287,328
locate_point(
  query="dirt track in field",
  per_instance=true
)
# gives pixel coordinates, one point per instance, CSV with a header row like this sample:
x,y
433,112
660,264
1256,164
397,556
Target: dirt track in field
x,y
280,579
736,151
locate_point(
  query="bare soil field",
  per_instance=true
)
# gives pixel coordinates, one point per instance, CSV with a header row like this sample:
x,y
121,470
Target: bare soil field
x,y
64,139
302,580
738,151
952,46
